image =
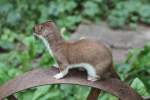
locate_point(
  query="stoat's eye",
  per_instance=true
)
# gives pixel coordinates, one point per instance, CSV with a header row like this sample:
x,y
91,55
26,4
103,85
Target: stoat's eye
x,y
40,27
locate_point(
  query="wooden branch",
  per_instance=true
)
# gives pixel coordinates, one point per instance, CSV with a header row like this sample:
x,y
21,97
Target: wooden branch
x,y
40,77
94,93
11,97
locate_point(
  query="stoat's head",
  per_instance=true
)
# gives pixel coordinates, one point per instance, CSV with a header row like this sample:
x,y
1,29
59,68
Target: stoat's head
x,y
45,29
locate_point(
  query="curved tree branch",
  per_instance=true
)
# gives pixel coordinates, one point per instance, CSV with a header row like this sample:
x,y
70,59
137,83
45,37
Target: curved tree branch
x,y
94,93
39,77
11,97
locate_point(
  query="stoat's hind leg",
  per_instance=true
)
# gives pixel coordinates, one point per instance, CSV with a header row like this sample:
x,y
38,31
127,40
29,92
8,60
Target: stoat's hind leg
x,y
102,69
91,71
56,65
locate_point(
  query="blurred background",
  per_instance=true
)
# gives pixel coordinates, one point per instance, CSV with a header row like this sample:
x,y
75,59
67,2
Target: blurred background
x,y
21,52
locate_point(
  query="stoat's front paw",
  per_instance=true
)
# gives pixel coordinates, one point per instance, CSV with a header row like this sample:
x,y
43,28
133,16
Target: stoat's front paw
x,y
56,65
58,76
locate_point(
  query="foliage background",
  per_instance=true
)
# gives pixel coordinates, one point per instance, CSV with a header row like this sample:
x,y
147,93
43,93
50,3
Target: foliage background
x,y
20,52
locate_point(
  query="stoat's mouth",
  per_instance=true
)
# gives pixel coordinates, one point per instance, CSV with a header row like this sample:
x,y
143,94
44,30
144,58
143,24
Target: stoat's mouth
x,y
35,34
40,37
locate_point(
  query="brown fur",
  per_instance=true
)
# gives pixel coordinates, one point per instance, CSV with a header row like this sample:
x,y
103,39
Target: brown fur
x,y
81,51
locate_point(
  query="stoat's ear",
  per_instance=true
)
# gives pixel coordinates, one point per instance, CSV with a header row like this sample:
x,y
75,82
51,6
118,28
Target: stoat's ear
x,y
50,23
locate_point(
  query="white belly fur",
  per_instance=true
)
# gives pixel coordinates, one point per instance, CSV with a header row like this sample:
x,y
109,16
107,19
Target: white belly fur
x,y
47,45
89,68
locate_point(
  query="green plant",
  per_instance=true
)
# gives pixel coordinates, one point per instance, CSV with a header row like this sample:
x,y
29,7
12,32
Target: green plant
x,y
20,51
137,68
129,13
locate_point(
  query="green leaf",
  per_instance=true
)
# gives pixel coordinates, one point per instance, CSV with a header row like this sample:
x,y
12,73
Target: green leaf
x,y
54,95
14,72
5,8
25,95
107,96
123,70
7,45
29,40
13,18
132,25
54,9
70,5
90,8
42,90
138,86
